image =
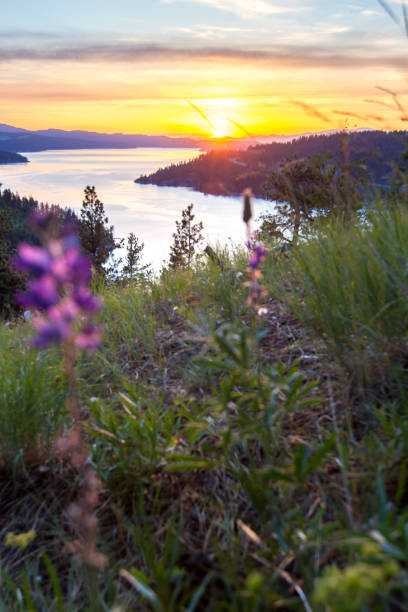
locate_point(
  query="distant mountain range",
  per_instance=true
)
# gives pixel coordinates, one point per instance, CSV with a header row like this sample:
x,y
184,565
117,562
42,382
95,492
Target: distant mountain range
x,y
18,140
24,141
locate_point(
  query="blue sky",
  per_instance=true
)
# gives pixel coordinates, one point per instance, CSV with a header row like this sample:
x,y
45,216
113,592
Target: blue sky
x,y
55,55
167,20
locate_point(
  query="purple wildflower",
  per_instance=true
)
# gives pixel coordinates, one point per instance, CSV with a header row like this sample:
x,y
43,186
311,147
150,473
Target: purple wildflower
x,y
64,312
257,256
49,333
60,287
72,266
41,294
85,300
34,260
60,291
90,338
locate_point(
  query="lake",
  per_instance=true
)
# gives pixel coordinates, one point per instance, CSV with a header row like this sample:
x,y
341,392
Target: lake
x,y
59,177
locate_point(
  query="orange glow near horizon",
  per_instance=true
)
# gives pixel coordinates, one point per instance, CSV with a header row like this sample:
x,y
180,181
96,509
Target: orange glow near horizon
x,y
239,99
169,118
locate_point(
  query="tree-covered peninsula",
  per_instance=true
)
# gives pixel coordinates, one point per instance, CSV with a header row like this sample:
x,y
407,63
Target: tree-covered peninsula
x,y
229,172
6,157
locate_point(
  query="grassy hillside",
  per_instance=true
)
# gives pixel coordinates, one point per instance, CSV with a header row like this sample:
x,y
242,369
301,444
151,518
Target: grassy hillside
x,y
248,463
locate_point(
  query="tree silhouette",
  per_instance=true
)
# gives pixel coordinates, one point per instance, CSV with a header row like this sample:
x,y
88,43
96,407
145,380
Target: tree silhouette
x,y
133,268
95,234
185,240
10,281
300,187
306,190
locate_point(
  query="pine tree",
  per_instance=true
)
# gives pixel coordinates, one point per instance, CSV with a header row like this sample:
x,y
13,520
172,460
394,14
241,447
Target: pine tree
x,y
308,190
95,234
185,240
133,268
10,281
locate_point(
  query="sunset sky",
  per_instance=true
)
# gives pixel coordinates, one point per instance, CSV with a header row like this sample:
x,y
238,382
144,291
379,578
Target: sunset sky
x,y
255,65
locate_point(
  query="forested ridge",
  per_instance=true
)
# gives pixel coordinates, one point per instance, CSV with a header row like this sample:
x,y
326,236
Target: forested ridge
x,y
229,172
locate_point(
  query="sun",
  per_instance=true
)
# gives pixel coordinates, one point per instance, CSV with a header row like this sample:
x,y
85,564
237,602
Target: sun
x,y
222,127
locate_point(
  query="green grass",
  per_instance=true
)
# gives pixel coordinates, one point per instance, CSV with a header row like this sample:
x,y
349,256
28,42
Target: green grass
x,y
237,472
32,399
351,287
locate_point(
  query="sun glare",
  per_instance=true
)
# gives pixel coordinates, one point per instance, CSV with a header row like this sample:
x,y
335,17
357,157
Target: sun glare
x,y
222,128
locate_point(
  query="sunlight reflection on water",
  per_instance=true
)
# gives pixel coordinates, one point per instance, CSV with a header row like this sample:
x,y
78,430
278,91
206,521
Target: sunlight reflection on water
x,y
150,212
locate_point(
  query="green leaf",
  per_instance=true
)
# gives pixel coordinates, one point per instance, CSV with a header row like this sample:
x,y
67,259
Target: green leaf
x,y
138,580
27,594
11,585
199,593
228,349
55,582
181,463
308,459
129,403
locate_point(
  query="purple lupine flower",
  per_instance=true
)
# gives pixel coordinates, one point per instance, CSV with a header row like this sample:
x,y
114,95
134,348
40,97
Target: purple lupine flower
x,y
72,266
60,291
41,294
60,287
257,256
64,312
49,333
90,338
81,266
85,300
34,260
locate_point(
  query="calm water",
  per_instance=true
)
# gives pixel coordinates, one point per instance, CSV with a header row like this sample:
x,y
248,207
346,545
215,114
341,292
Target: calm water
x,y
59,177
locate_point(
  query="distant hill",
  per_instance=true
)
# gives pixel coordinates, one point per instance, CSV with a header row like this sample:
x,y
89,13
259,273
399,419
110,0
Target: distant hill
x,y
229,172
20,140
12,158
227,142
9,128
24,141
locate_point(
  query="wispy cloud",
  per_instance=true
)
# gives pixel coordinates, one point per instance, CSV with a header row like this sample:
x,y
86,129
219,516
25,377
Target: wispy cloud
x,y
210,32
27,35
246,8
370,13
308,56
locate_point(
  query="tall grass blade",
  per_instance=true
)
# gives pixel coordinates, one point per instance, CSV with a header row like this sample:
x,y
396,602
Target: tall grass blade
x,y
55,582
405,15
143,589
199,593
27,593
389,10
